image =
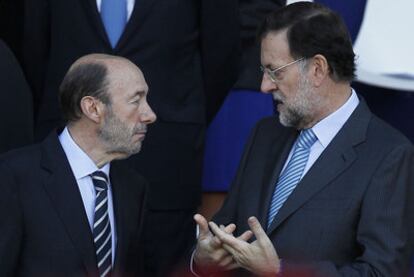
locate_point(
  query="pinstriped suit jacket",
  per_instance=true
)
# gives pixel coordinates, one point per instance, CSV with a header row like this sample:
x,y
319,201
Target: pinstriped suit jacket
x,y
350,215
44,230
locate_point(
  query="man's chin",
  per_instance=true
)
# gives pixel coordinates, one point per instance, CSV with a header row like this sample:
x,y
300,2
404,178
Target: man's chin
x,y
133,151
125,153
288,121
283,121
136,149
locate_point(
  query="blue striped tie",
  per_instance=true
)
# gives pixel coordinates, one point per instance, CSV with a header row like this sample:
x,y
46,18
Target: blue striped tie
x,y
101,226
114,18
291,176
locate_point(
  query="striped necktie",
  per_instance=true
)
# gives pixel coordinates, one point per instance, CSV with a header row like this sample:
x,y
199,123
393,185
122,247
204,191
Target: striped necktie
x,y
114,18
101,226
292,174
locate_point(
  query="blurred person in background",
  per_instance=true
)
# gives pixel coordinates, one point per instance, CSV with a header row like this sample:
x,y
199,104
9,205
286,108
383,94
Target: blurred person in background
x,y
16,113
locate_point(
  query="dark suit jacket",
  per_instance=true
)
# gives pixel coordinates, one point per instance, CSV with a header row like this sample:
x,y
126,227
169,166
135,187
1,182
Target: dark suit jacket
x,y
44,228
350,215
187,50
16,113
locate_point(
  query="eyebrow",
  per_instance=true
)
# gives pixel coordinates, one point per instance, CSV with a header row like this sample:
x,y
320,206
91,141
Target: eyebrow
x,y
138,93
271,66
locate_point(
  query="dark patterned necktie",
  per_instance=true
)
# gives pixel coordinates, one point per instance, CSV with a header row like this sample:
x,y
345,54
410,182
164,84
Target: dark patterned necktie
x,y
101,226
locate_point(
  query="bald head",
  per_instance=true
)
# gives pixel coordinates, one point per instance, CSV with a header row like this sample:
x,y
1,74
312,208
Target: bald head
x,y
103,59
91,75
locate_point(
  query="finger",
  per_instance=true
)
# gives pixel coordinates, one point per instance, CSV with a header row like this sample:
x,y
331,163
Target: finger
x,y
226,261
246,235
202,225
257,229
216,230
215,242
220,254
229,249
226,238
232,266
229,229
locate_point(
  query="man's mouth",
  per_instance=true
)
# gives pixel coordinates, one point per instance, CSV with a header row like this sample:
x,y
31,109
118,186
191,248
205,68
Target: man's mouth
x,y
277,102
141,133
277,98
141,130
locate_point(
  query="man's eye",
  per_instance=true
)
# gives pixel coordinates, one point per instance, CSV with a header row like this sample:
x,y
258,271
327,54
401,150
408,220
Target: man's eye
x,y
278,74
136,101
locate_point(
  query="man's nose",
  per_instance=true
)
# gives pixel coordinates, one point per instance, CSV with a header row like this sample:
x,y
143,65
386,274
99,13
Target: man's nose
x,y
267,85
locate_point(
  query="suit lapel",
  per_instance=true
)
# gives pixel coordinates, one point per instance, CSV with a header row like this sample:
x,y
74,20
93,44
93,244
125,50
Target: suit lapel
x,y
93,15
142,9
61,186
276,159
120,198
336,158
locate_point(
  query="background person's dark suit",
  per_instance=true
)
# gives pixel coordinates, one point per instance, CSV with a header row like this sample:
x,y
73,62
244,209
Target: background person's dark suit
x,y
163,37
44,228
252,13
16,113
242,109
350,215
187,51
11,23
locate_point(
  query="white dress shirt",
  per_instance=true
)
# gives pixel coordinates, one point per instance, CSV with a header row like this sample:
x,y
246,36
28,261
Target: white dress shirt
x,y
82,167
130,7
326,129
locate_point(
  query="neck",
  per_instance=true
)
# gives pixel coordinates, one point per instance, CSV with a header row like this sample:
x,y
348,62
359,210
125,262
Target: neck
x,y
85,137
333,97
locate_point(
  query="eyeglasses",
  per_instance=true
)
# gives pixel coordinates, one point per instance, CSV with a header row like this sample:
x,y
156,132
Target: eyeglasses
x,y
274,74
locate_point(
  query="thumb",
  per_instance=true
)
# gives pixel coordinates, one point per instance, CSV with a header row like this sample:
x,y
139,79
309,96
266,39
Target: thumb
x,y
202,223
257,229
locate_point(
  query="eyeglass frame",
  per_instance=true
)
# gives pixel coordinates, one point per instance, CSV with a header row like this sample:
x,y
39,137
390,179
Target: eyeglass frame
x,y
272,72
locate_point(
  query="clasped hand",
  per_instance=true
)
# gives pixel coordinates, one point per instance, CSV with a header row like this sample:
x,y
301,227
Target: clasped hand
x,y
218,249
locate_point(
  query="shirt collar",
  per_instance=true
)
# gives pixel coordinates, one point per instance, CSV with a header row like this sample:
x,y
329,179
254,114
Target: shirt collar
x,y
81,164
326,129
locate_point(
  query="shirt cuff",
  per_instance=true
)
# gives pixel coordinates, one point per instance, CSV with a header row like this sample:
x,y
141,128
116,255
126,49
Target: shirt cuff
x,y
192,265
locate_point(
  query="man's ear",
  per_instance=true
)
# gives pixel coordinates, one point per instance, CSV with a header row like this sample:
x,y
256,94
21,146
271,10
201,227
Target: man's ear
x,y
92,108
319,69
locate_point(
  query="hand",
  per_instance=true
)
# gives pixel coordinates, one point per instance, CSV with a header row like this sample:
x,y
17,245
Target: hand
x,y
259,257
209,255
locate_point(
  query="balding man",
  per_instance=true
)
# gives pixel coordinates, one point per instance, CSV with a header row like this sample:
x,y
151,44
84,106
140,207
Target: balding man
x,y
66,208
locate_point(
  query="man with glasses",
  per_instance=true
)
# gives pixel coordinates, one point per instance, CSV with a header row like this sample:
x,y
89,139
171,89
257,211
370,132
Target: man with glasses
x,y
326,190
